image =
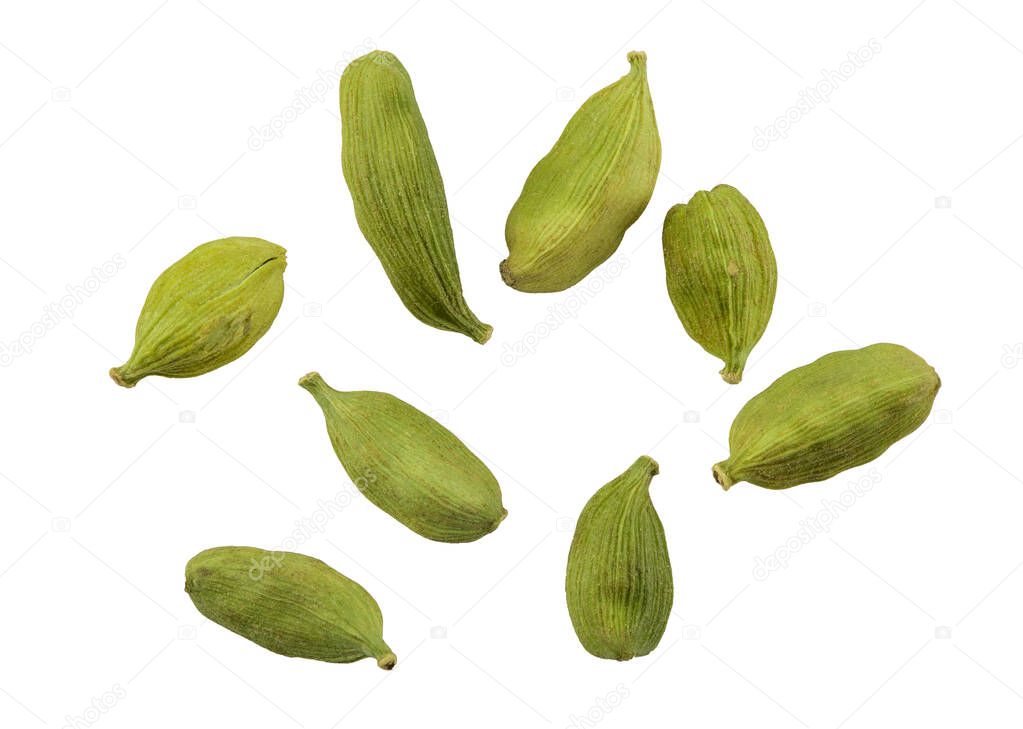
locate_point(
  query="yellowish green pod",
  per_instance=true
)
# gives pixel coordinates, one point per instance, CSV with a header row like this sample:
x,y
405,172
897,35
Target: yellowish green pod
x,y
618,583
721,274
595,182
206,310
392,174
408,464
842,411
288,603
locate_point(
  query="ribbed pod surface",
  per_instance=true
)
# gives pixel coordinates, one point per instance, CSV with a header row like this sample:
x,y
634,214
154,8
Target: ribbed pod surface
x,y
595,182
841,411
206,310
618,584
408,464
288,603
396,186
721,274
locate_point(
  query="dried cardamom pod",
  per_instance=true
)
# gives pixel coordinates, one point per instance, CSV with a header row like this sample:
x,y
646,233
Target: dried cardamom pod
x,y
398,192
618,584
409,465
595,182
206,310
842,411
721,274
288,603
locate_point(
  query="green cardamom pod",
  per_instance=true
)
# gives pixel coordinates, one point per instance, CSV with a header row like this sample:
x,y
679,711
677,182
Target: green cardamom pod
x,y
595,182
618,583
206,310
288,603
409,465
842,411
721,274
392,174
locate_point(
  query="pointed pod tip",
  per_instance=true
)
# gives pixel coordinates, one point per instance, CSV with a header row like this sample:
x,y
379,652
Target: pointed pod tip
x,y
721,476
116,376
732,377
482,335
311,381
648,463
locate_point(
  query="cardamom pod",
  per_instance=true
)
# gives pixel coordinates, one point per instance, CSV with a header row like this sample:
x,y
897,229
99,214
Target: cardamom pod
x,y
206,310
721,274
842,411
618,583
595,182
409,465
288,603
398,192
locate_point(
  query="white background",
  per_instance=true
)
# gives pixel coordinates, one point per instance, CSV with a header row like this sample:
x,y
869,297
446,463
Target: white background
x,y
127,138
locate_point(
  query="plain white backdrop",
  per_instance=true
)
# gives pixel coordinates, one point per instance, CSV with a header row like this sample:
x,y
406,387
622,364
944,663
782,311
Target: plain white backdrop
x,y
879,141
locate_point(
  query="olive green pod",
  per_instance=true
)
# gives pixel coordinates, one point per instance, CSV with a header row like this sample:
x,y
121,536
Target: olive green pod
x,y
595,182
392,174
618,583
206,310
288,603
721,274
842,411
409,465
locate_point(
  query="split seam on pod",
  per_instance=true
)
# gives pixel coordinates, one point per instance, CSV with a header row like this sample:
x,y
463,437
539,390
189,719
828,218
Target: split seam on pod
x,y
206,310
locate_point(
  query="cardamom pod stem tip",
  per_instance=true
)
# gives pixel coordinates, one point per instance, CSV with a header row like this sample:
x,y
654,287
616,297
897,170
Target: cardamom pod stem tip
x,y
311,381
387,661
506,274
721,476
732,373
648,463
314,384
481,334
118,376
637,59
